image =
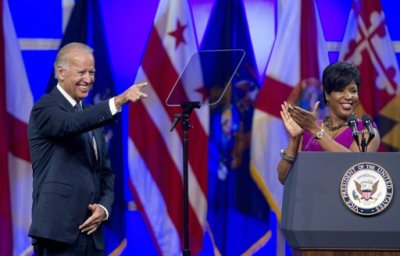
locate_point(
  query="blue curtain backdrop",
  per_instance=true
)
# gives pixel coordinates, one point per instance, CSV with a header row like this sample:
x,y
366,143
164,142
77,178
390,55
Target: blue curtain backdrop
x,y
126,37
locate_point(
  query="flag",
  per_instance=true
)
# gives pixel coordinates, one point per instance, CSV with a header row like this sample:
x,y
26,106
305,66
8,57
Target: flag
x,y
86,26
367,45
76,31
155,155
236,205
103,89
293,73
16,171
6,242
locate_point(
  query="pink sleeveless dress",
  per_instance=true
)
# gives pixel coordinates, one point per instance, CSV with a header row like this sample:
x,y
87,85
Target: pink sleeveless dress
x,y
345,138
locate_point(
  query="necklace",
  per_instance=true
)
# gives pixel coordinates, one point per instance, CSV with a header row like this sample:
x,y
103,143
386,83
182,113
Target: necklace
x,y
328,124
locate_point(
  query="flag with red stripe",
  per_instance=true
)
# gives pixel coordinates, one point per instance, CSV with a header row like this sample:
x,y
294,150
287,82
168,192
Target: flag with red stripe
x,y
367,44
16,173
298,57
154,153
5,197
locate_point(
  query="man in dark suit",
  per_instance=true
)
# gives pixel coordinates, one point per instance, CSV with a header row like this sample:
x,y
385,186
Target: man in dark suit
x,y
72,180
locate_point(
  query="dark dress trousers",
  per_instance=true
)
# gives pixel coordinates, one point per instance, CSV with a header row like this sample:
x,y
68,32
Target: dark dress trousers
x,y
67,177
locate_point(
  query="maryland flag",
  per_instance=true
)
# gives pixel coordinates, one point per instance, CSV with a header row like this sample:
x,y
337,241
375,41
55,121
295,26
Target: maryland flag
x,y
367,45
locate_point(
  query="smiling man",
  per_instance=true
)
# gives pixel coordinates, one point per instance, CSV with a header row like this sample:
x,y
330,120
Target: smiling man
x,y
75,70
72,178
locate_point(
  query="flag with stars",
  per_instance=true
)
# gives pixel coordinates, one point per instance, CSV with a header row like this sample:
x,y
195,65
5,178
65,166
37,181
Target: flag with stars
x,y
154,153
367,44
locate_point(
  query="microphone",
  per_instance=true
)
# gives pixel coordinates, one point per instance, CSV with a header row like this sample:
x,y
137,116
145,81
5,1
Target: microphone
x,y
367,121
352,123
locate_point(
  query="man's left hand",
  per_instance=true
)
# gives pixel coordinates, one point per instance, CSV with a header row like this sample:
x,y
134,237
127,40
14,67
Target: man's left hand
x,y
93,222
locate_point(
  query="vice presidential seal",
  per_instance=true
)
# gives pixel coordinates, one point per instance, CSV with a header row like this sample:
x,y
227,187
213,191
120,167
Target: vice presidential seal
x,y
366,188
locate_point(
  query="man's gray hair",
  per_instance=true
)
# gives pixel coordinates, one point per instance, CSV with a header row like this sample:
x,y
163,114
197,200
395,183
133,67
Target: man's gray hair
x,y
62,58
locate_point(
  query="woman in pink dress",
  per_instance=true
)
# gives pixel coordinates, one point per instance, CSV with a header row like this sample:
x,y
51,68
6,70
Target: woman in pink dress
x,y
341,82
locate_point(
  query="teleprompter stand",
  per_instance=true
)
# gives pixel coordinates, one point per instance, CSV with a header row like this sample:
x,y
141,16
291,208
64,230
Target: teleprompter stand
x,y
205,69
187,109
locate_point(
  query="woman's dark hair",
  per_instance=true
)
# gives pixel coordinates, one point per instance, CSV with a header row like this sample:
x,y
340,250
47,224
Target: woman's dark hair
x,y
338,75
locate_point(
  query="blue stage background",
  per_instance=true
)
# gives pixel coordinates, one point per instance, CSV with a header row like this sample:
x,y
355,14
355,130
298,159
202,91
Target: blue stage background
x,y
127,23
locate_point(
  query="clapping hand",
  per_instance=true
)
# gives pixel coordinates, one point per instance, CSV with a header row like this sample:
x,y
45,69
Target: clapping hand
x,y
306,120
291,126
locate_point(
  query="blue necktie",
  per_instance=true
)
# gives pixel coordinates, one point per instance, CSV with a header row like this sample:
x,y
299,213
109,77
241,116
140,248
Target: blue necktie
x,y
78,107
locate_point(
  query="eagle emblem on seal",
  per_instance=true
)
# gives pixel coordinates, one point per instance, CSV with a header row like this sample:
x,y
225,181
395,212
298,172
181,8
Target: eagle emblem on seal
x,y
366,189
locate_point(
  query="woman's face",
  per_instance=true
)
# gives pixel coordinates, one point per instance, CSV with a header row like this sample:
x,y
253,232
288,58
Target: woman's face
x,y
343,103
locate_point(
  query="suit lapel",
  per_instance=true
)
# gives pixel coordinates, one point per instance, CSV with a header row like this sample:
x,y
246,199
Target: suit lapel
x,y
61,99
87,141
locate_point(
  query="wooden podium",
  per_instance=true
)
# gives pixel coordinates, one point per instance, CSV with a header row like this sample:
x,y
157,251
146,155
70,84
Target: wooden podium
x,y
317,218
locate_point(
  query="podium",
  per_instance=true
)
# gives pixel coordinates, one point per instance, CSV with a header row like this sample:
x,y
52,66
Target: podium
x,y
318,218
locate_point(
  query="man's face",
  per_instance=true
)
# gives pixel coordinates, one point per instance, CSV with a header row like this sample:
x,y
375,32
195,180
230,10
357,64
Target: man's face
x,y
78,77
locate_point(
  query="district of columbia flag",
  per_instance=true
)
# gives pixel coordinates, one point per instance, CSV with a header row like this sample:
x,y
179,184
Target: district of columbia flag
x,y
155,155
297,61
367,45
16,172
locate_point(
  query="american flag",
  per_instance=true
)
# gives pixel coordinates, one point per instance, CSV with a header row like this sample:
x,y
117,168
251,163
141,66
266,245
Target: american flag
x,y
154,153
15,170
367,44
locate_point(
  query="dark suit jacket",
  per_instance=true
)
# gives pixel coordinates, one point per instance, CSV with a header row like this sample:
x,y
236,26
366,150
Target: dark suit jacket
x,y
66,175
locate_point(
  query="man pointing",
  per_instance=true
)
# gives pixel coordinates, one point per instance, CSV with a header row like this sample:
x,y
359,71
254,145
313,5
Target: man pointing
x,y
72,178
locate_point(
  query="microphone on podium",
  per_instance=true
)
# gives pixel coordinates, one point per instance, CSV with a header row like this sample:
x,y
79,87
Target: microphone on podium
x,y
352,123
367,121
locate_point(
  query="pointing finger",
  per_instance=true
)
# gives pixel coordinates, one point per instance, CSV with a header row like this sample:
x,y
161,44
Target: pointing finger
x,y
140,85
144,95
